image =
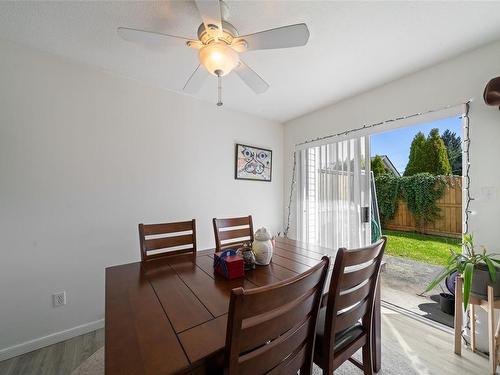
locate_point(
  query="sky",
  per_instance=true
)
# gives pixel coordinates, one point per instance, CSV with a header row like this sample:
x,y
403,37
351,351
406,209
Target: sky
x,y
396,144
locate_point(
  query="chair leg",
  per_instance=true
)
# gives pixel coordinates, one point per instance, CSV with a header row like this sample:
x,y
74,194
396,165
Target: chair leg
x,y
367,358
327,370
472,312
306,370
491,330
458,314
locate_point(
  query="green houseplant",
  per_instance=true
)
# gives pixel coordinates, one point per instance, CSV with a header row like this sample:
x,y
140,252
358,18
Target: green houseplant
x,y
478,270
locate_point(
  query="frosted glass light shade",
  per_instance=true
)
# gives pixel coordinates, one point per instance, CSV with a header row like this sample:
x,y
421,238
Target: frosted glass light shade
x,y
218,56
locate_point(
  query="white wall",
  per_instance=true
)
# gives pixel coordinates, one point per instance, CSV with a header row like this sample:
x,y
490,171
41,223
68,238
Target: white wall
x,y
449,83
84,157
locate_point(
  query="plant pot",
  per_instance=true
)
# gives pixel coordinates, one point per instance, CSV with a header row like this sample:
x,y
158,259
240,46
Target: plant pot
x,y
447,303
481,280
450,282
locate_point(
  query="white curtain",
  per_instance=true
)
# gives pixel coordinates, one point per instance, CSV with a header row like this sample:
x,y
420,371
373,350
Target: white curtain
x,y
333,194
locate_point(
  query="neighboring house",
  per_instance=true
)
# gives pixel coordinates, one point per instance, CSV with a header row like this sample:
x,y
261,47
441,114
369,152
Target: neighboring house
x,y
388,165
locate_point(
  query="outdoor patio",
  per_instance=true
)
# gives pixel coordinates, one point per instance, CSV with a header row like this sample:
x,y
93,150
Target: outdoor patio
x,y
403,280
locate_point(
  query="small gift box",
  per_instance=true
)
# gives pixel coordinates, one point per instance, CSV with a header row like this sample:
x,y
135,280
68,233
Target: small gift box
x,y
228,264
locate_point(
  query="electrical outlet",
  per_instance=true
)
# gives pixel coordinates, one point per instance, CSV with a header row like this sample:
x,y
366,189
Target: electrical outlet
x,y
59,299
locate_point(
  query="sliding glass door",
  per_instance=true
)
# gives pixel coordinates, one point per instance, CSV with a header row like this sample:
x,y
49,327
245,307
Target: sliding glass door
x,y
333,194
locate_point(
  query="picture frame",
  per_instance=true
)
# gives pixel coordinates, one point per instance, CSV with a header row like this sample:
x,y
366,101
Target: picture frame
x,y
253,163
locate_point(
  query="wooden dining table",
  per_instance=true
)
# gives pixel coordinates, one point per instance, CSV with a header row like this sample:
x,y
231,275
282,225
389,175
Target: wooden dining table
x,y
169,316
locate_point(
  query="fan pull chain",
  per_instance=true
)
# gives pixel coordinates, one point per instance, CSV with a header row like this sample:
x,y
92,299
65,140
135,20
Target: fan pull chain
x,y
219,88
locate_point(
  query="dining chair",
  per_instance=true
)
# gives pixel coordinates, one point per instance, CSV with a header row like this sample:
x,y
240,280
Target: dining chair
x,y
345,324
271,329
232,232
159,240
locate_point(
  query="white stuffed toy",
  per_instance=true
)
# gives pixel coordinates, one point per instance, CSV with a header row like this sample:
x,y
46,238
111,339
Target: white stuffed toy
x,y
262,247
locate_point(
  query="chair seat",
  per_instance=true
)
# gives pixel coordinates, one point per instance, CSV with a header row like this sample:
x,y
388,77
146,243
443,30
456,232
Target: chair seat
x,y
342,338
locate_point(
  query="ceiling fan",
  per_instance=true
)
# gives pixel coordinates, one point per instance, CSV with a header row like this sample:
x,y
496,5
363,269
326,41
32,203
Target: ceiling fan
x,y
219,46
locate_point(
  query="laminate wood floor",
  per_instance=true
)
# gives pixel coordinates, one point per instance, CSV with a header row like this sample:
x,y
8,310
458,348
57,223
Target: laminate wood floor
x,y
57,359
409,347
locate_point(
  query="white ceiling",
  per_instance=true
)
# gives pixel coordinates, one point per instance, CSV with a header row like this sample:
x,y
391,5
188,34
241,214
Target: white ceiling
x,y
354,46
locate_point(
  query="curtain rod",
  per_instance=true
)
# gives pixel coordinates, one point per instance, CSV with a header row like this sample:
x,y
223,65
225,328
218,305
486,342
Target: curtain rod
x,y
368,126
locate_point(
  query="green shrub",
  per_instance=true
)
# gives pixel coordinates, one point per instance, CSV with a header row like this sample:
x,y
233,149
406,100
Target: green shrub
x,y
378,166
387,186
420,192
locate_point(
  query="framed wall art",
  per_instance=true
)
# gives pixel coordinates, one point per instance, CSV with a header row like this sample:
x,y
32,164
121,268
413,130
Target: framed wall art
x,y
253,163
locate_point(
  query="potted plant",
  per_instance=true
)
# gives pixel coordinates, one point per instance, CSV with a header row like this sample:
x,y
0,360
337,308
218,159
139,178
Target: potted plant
x,y
477,269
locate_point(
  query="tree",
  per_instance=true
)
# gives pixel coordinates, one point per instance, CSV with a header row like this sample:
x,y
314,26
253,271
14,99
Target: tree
x,y
378,166
436,156
453,145
428,155
417,160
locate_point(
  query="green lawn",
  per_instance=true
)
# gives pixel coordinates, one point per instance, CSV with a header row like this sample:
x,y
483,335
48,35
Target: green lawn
x,y
420,247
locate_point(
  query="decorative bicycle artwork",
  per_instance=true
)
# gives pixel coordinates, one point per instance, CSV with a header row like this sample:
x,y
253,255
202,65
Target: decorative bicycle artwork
x,y
253,163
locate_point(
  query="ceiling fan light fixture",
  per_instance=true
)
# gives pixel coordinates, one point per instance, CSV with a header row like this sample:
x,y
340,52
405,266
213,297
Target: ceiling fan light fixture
x,y
218,57
219,46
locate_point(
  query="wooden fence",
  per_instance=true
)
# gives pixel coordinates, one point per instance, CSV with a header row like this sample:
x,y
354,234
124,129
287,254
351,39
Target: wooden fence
x,y
448,224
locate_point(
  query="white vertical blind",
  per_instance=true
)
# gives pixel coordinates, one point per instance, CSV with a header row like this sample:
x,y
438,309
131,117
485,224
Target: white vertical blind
x,y
333,186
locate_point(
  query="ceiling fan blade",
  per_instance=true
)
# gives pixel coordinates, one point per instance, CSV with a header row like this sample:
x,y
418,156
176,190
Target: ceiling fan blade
x,y
252,79
281,37
210,12
152,38
194,83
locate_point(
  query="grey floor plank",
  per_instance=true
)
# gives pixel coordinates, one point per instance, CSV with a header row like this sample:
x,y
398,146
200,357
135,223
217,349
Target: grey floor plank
x,y
6,367
57,359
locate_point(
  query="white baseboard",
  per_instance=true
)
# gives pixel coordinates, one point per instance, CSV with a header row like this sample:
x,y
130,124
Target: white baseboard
x,y
53,338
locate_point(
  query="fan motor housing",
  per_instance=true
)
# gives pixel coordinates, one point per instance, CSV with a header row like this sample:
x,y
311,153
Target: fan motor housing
x,y
229,32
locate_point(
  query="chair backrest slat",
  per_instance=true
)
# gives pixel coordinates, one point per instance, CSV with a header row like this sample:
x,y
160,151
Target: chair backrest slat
x,y
274,323
277,295
233,222
176,237
355,277
350,317
290,364
271,329
235,233
165,242
231,245
352,297
352,291
181,226
359,256
228,232
269,356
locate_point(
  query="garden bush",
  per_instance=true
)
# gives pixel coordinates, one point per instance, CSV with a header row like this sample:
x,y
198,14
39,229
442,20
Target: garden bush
x,y
420,192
